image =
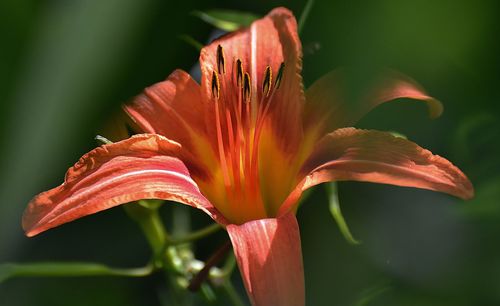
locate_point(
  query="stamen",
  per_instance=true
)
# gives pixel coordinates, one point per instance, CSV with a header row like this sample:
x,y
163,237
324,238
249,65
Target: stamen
x,y
262,114
215,86
277,83
239,73
268,78
220,60
220,141
247,89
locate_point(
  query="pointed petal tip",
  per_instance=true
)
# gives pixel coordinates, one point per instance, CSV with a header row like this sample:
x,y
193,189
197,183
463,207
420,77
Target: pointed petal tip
x,y
27,228
29,233
467,191
393,84
379,157
334,92
34,211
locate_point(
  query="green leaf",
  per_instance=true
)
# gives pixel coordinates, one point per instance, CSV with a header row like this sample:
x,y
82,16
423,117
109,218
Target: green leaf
x,y
227,20
334,206
369,295
59,269
191,41
305,14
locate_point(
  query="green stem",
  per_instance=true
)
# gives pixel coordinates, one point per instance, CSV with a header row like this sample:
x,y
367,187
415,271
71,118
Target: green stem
x,y
229,265
59,269
196,235
152,226
232,294
208,293
146,215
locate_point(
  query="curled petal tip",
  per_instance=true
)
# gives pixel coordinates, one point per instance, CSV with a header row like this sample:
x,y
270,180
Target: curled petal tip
x,y
331,101
435,108
379,157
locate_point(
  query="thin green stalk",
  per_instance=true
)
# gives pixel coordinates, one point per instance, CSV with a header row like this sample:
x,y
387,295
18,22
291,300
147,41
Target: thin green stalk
x,y
208,293
219,276
60,269
229,266
165,257
152,226
232,294
196,235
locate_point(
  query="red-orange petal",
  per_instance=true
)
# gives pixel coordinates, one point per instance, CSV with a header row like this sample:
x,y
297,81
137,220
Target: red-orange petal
x,y
379,157
174,109
331,102
141,167
269,41
269,256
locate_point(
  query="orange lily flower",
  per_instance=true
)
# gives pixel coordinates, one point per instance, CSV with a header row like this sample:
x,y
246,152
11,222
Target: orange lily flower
x,y
242,147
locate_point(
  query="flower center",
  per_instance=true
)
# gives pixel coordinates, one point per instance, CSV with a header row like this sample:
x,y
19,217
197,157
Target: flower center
x,y
241,113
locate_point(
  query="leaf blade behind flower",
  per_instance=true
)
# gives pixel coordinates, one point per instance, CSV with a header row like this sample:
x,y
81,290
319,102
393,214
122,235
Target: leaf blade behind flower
x,y
226,20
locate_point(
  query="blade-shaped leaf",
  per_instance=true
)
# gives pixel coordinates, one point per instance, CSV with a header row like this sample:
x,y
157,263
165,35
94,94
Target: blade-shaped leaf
x,y
305,14
191,41
334,206
227,20
370,294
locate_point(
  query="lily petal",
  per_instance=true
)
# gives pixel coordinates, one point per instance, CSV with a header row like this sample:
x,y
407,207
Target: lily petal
x,y
141,167
269,256
329,102
174,108
268,42
378,157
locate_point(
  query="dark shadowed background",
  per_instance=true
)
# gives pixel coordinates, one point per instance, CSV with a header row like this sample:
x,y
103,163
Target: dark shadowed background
x,y
65,66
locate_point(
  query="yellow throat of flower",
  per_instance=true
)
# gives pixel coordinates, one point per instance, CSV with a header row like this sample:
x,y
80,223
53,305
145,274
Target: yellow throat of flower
x,y
253,174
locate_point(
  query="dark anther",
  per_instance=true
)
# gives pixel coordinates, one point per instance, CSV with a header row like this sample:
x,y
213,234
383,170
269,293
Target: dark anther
x,y
239,72
268,78
220,60
247,89
279,76
215,85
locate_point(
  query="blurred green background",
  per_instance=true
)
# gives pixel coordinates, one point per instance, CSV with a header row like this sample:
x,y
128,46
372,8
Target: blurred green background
x,y
65,66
